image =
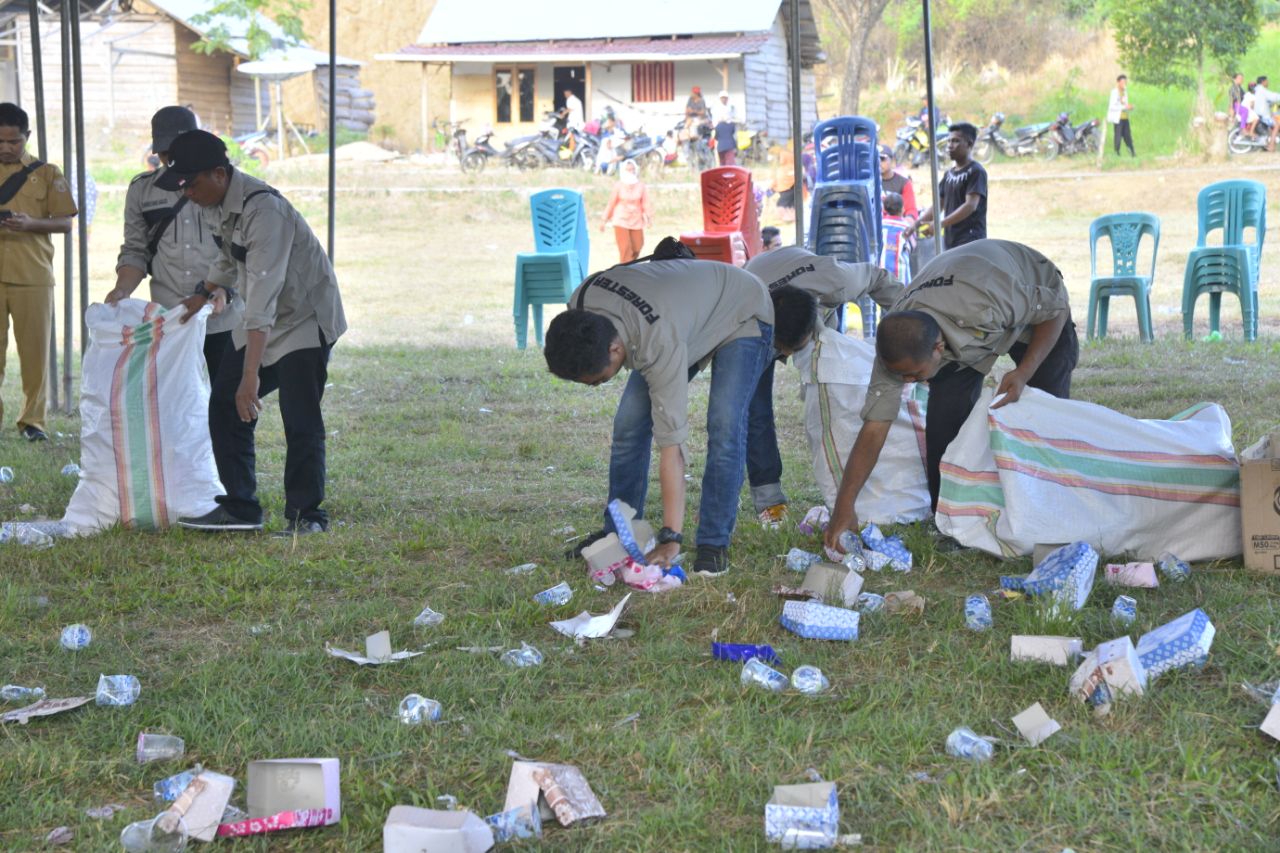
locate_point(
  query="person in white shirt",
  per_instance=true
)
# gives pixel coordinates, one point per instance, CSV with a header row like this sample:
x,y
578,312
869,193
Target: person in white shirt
x,y
573,110
1263,98
1118,115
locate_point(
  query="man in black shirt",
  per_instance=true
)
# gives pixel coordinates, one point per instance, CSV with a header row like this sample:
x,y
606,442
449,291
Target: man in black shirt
x,y
964,192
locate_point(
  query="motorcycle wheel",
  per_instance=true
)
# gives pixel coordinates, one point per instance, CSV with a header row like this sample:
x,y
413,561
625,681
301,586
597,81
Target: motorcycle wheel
x,y
1047,149
984,151
527,161
900,153
652,162
474,162
1237,142
584,159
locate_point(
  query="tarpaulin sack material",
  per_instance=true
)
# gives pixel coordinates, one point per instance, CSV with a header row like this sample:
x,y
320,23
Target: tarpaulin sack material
x,y
145,457
834,374
1044,471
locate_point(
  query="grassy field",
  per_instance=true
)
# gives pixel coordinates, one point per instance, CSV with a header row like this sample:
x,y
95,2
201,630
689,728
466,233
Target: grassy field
x,y
454,456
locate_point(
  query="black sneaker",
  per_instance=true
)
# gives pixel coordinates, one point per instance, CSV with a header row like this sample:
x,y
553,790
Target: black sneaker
x,y
585,542
300,528
712,561
34,433
219,520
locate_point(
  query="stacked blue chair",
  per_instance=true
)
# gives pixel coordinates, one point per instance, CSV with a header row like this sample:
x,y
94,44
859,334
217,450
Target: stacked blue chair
x,y
1233,265
846,222
1125,232
548,275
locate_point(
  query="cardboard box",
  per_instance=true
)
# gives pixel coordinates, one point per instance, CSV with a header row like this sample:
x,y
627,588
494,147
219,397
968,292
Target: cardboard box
x,y
1184,642
818,621
409,829
1260,504
203,802
1271,724
834,584
295,785
560,790
1035,725
811,807
1065,575
1058,651
1114,663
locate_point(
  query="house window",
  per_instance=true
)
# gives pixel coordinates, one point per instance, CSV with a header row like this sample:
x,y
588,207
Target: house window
x,y
513,85
653,81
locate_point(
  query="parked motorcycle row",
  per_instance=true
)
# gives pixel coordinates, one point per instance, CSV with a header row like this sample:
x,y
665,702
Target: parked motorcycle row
x,y
1045,140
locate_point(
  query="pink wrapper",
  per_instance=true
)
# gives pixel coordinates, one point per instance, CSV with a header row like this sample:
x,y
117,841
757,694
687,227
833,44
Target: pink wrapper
x,y
1132,574
298,819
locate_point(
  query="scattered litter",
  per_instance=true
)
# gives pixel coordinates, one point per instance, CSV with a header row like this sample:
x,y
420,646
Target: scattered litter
x,y
757,672
627,720
1180,644
522,569
803,816
1065,576
71,469
891,546
799,560
428,618
869,602
731,599
1172,568
977,613
233,813
795,593
159,747
26,509
289,793
117,690
168,789
1124,610
447,802
259,629
61,835
409,829
1271,723
525,656
832,583
560,788
1141,575
567,530
559,594
621,555
202,804
809,679
43,708
905,602
814,521
485,411
1112,669
922,776
1237,361
1058,651
164,833
965,743
415,710
76,637
1035,725
515,824
479,650
1268,693
17,693
377,649
6,474
819,621
591,627
104,812
743,652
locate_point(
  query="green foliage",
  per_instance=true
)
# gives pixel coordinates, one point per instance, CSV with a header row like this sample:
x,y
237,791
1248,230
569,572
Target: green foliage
x,y
218,35
1165,42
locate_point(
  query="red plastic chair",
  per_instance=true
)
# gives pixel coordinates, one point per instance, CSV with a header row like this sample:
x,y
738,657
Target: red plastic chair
x,y
730,228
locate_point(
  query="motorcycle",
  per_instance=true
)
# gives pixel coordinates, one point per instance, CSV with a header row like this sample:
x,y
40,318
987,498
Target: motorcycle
x,y
478,155
1082,138
753,147
699,151
1241,141
912,144
645,150
1030,141
558,145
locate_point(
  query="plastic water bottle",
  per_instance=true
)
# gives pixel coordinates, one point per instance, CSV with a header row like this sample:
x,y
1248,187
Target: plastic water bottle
x,y
168,789
15,693
809,679
19,533
1125,610
964,743
76,637
761,674
522,657
977,613
6,474
799,560
1172,568
71,469
415,710
557,595
796,838
117,690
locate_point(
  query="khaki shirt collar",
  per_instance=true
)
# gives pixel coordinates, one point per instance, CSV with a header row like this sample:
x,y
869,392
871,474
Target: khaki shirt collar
x,y
233,201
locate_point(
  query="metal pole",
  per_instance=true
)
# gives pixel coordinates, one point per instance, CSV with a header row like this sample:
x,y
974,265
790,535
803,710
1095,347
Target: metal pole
x,y
68,302
933,133
797,134
42,146
333,114
280,137
82,220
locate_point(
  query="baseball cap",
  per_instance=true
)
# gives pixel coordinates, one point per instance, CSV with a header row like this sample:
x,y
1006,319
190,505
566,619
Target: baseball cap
x,y
886,151
167,124
191,153
697,90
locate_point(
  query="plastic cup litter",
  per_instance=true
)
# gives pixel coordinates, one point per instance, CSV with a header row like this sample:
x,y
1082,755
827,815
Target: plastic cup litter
x,y
869,602
428,618
1172,568
416,710
1124,610
554,597
759,673
809,679
965,743
159,747
76,637
799,560
117,690
71,469
522,657
977,613
25,534
6,474
18,693
164,833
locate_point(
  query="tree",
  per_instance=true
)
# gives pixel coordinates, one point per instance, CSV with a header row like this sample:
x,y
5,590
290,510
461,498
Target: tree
x,y
855,19
218,36
1163,41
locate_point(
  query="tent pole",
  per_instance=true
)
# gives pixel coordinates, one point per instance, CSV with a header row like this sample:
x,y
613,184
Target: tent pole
x,y
933,133
333,114
68,301
797,135
42,146
82,166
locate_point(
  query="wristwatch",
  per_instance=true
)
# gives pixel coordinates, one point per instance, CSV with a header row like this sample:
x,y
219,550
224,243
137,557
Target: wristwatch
x,y
666,535
201,290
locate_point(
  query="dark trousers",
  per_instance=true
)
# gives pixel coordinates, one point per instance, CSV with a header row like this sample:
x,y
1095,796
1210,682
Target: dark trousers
x,y
954,390
215,347
300,377
1123,132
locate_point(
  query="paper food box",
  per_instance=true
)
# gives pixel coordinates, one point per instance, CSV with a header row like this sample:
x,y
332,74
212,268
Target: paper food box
x,y
603,555
819,621
560,790
409,829
833,583
1260,504
812,807
1065,575
1184,642
1115,664
202,804
1058,651
304,786
1271,723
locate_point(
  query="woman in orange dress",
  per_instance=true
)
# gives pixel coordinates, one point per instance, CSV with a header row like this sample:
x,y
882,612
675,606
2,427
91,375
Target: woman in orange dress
x,y
630,211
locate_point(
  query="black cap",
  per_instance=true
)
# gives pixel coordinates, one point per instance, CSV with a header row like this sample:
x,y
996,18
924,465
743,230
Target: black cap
x,y
167,124
190,154
886,151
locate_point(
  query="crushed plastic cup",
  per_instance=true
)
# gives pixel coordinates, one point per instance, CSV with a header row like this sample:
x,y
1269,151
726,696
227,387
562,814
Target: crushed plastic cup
x,y
6,474
416,710
522,657
428,618
965,743
168,789
71,469
869,602
520,822
25,534
799,560
522,569
977,613
809,679
159,747
557,595
447,803
164,833
117,690
1124,610
759,673
76,637
797,838
18,693
1172,568
233,814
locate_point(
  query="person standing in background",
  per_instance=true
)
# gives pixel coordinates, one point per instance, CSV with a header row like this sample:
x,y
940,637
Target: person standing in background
x,y
726,131
1118,114
630,209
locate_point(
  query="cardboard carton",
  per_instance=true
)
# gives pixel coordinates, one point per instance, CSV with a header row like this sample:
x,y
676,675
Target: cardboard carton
x,y
1114,664
294,785
560,790
1065,575
818,621
1271,725
203,802
409,829
1260,504
1058,651
1184,642
812,807
834,584
1035,725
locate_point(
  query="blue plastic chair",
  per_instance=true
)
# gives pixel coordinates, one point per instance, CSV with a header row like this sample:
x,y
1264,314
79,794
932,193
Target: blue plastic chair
x,y
1233,266
846,151
548,275
1125,232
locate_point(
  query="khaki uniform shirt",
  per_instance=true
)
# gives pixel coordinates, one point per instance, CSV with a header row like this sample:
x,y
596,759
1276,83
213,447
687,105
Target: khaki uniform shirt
x,y
185,251
986,296
283,273
832,282
672,316
28,258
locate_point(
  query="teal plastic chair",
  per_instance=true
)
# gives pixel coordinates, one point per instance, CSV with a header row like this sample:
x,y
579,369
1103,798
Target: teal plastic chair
x,y
548,275
1125,232
1231,207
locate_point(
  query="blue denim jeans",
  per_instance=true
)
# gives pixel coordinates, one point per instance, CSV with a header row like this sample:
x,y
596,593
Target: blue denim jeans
x,y
735,374
764,462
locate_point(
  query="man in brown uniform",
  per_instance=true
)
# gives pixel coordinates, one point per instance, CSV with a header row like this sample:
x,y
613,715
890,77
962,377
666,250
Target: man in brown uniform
x,y
963,310
35,202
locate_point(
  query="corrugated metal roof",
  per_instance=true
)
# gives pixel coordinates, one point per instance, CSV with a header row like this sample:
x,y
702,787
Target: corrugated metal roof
x,y
631,49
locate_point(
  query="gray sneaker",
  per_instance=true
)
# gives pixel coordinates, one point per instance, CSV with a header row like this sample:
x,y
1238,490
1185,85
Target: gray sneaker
x,y
300,528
